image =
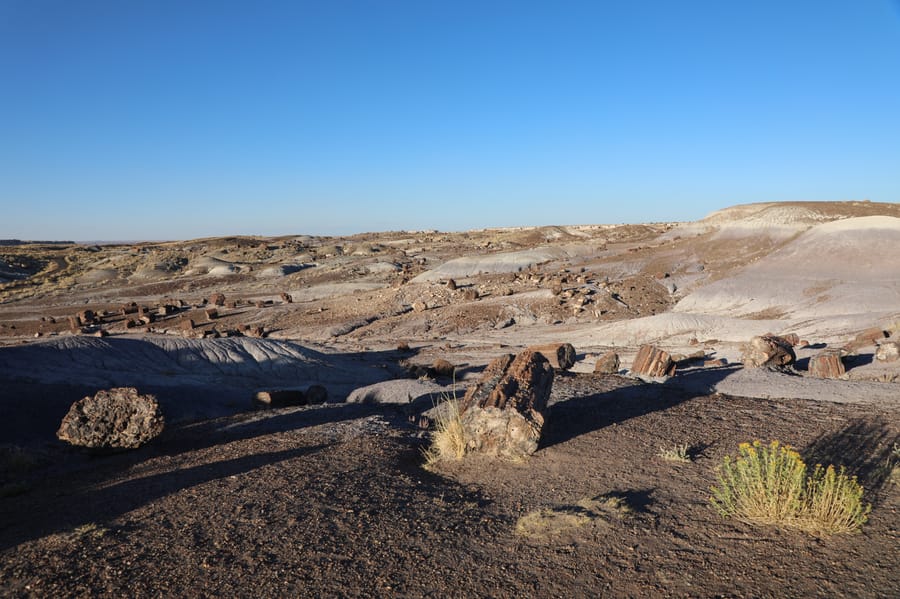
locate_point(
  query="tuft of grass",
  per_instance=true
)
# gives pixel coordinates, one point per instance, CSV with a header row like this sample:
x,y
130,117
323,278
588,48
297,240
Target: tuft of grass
x,y
552,522
90,530
678,453
448,439
770,484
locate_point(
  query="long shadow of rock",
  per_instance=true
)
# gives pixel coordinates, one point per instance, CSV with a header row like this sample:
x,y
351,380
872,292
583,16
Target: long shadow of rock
x,y
583,414
30,517
863,446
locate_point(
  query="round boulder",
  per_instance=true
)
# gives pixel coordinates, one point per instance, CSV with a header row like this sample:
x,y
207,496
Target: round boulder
x,y
119,418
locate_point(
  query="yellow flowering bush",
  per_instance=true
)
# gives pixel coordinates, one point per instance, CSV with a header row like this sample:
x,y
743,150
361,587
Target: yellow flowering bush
x,y
771,484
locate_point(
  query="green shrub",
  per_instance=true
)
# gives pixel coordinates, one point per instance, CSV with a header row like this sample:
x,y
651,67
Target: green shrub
x,y
770,484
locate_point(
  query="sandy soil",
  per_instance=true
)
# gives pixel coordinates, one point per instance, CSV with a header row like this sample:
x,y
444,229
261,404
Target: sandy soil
x,y
333,500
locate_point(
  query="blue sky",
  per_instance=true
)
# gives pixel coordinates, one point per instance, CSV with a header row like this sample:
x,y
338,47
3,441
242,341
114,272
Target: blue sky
x,y
165,119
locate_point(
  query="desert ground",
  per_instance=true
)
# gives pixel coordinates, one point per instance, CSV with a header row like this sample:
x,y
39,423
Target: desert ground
x,y
334,499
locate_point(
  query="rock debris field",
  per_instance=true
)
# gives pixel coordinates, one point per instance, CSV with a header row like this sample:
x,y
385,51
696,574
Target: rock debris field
x,y
254,416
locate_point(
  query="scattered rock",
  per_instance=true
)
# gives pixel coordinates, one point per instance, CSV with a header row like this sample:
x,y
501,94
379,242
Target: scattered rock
x,y
888,352
118,418
211,313
504,323
715,363
217,299
652,361
451,285
470,294
827,365
280,398
608,363
768,351
287,298
441,367
86,317
503,413
419,306
560,355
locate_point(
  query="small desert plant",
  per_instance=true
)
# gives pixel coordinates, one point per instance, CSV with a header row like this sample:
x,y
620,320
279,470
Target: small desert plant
x,y
678,453
770,484
447,440
551,522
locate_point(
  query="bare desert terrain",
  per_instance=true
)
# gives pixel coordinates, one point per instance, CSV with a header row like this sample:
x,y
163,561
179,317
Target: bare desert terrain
x,y
333,499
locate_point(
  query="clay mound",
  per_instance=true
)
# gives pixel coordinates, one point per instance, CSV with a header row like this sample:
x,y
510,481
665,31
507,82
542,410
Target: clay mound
x,y
838,268
234,362
150,273
212,266
280,270
99,275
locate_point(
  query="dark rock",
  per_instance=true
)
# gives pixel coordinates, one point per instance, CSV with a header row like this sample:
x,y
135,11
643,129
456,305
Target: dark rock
x,y
118,418
280,398
560,355
211,313
451,285
504,412
652,361
768,351
608,363
316,394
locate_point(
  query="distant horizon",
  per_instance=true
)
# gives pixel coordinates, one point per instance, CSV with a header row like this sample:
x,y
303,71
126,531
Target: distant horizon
x,y
149,120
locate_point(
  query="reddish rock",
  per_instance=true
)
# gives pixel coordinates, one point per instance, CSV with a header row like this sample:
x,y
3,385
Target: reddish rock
x,y
652,361
768,351
715,363
504,412
827,365
866,338
257,332
560,355
286,298
119,418
608,363
211,313
451,285
188,324
443,368
217,299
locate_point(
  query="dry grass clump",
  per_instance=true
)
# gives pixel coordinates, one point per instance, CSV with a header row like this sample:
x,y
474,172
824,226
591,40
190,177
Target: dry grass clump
x,y
770,484
678,453
447,440
552,522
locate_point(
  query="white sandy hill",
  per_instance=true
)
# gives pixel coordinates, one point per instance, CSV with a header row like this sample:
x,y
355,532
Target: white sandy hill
x,y
825,281
841,268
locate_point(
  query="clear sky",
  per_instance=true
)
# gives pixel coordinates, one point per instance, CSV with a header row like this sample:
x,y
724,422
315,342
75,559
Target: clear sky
x,y
172,119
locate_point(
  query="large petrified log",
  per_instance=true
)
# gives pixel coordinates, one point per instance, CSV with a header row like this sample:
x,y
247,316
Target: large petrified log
x,y
504,412
768,351
118,418
608,363
652,361
827,365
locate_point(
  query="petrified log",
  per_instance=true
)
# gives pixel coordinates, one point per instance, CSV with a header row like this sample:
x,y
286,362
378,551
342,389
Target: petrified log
x,y
768,351
888,352
827,365
608,363
118,418
217,299
652,361
560,355
866,338
286,298
316,394
504,412
442,368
